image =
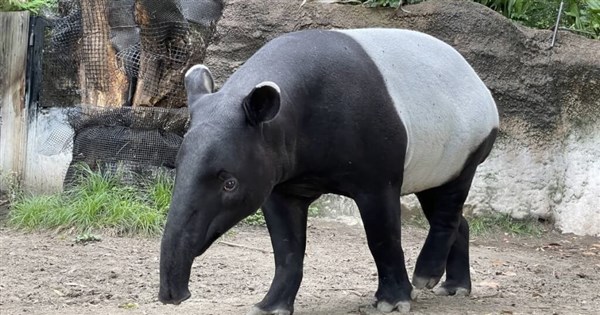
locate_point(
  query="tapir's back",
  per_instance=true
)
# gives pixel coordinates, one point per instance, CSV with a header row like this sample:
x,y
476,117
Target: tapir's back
x,y
356,90
446,109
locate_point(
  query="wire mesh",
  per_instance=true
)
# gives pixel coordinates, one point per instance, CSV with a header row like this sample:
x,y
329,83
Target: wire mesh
x,y
94,45
94,51
140,140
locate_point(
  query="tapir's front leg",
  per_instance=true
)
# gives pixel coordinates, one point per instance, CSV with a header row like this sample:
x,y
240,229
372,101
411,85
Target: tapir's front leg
x,y
286,220
380,212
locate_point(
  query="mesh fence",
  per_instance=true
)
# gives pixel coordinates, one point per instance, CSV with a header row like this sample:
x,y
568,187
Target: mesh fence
x,y
118,66
137,141
123,52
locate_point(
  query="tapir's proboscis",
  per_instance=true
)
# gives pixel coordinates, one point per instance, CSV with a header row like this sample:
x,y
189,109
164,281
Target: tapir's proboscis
x,y
371,114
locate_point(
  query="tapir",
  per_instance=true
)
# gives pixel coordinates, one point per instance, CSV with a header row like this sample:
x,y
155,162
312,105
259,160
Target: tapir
x,y
371,114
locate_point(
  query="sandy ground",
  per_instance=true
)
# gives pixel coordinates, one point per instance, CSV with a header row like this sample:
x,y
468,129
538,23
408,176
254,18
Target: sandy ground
x,y
49,273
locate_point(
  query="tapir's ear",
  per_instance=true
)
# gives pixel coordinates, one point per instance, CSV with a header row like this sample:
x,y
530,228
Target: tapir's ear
x,y
262,104
198,80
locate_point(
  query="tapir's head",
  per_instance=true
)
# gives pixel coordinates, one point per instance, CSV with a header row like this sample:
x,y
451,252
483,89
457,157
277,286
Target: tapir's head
x,y
224,173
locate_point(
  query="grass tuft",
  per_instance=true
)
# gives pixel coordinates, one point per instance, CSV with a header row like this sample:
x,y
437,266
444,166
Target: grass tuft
x,y
486,224
33,6
98,201
258,218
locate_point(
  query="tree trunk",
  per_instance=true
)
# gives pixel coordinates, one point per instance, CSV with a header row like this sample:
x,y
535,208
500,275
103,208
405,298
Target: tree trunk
x,y
169,46
101,82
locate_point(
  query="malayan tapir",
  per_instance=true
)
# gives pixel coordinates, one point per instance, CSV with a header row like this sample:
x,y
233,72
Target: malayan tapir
x,y
371,114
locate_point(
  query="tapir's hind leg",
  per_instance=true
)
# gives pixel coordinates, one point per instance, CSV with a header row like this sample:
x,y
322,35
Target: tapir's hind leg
x,y
458,276
443,208
447,244
380,212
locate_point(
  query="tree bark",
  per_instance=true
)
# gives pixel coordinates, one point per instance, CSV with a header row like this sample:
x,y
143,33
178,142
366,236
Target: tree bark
x,y
101,82
169,46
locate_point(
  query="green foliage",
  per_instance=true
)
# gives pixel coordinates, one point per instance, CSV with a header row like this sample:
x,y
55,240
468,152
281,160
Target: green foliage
x,y
485,224
488,224
582,16
98,201
33,6
314,211
258,218
87,237
388,3
101,201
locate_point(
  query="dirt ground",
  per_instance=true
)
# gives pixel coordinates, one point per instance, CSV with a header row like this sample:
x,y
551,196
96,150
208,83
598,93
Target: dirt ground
x,y
49,273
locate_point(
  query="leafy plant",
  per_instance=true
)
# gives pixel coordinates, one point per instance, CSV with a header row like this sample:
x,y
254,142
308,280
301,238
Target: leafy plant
x,y
582,16
87,237
33,6
256,219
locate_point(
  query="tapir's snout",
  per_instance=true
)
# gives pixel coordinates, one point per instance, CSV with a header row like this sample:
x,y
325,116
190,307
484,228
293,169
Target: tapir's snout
x,y
168,296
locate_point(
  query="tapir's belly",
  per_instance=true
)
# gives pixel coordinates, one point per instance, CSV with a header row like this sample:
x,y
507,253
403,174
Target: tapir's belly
x,y
446,109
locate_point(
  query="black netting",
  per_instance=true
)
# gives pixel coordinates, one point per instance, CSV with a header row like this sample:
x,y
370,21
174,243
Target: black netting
x,y
118,66
122,52
138,141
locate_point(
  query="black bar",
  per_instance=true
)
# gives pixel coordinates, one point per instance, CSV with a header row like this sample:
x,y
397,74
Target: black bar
x,y
37,28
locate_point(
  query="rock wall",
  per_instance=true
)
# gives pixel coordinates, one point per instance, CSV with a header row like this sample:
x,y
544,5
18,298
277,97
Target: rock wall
x,y
546,162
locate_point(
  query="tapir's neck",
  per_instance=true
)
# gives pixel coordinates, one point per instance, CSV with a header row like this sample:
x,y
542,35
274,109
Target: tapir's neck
x,y
280,137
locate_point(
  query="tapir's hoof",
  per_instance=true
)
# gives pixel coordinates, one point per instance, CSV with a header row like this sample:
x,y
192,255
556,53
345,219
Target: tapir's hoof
x,y
402,307
257,311
383,307
422,282
444,290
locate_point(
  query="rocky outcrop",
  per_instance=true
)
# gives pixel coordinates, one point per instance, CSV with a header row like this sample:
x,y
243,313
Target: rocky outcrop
x,y
547,160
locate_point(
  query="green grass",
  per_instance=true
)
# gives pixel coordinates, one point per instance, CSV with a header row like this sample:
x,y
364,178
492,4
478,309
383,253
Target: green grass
x,y
258,218
33,6
98,202
486,224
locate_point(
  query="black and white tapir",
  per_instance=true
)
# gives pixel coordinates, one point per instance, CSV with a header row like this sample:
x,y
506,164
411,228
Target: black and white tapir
x,y
371,114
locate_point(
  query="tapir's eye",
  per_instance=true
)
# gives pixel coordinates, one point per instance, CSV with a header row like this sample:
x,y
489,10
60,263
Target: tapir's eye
x,y
230,184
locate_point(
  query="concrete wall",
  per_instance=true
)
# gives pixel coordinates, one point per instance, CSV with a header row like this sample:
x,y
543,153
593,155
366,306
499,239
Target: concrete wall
x,y
49,151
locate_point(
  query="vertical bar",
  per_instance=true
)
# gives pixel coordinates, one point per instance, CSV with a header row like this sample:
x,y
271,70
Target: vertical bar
x,y
37,28
562,3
